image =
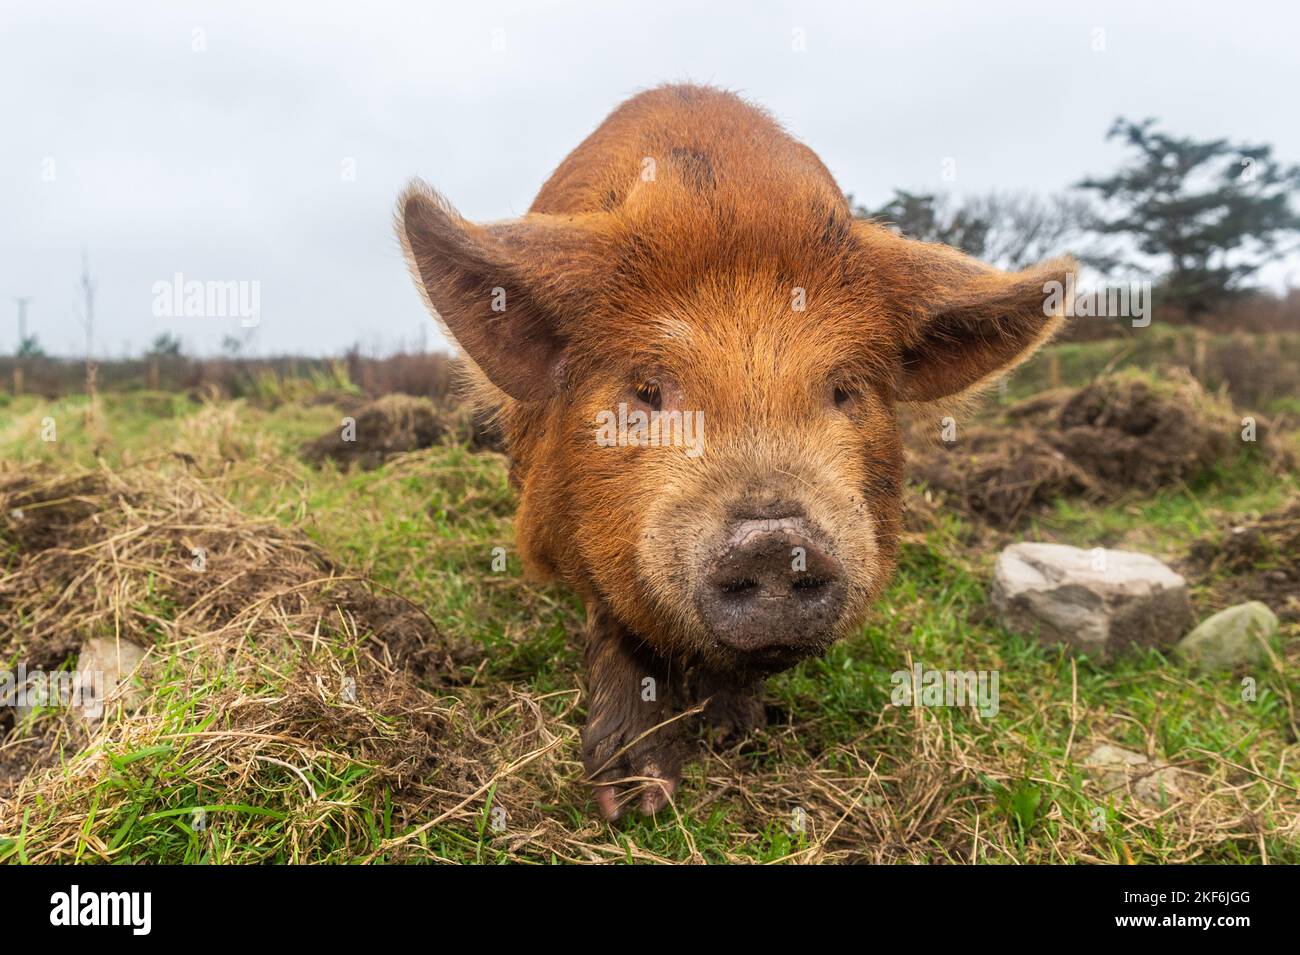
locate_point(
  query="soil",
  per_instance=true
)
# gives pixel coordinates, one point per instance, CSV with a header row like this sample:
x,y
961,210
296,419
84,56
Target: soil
x,y
395,424
1120,434
1255,559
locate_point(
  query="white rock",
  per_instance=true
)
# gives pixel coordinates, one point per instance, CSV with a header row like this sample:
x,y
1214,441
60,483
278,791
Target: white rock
x,y
1122,770
108,673
1232,637
1097,602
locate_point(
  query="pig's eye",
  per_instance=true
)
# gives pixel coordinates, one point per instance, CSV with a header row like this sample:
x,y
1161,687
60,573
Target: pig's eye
x,y
648,393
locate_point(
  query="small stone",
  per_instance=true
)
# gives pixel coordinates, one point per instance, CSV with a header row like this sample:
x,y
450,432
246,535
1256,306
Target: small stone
x,y
27,698
1097,601
1122,770
1233,637
108,673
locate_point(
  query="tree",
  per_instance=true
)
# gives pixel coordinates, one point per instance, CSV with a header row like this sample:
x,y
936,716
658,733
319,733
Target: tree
x,y
29,347
1010,230
165,345
1025,229
1212,212
930,218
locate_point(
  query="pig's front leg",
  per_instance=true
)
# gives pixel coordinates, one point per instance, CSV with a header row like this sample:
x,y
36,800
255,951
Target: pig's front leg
x,y
632,747
732,710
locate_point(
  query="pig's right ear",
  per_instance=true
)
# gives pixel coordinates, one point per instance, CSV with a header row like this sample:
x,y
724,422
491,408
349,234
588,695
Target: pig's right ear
x,y
500,290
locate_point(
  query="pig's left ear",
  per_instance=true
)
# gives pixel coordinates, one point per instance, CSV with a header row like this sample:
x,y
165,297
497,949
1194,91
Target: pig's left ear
x,y
501,290
964,321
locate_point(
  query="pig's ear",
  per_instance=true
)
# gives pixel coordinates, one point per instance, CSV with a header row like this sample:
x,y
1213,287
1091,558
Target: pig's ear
x,y
964,321
499,289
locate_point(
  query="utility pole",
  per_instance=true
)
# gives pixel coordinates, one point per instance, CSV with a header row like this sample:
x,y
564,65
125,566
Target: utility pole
x,y
22,340
87,287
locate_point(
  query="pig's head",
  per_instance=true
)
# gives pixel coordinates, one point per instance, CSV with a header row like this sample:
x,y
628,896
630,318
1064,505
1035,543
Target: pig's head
x,y
785,326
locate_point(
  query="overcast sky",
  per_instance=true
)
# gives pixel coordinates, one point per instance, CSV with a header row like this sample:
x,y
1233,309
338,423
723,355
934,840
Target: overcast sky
x,y
266,142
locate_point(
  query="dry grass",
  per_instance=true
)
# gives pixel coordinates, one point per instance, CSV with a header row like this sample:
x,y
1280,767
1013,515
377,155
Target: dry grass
x,y
314,715
1122,434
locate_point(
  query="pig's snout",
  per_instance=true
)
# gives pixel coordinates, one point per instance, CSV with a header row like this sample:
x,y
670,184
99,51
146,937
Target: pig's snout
x,y
772,583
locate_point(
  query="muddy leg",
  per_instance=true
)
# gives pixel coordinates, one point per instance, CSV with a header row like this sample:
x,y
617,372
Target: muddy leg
x,y
732,710
627,754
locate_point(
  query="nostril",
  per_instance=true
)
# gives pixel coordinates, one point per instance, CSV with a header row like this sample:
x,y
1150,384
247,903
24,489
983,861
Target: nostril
x,y
739,586
809,586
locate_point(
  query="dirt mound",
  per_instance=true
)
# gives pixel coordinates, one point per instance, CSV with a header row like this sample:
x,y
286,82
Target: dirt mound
x,y
162,560
1129,431
1122,433
1000,476
78,541
1256,559
395,424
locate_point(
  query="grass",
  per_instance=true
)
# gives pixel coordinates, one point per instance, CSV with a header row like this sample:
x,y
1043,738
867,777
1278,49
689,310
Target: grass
x,y
250,754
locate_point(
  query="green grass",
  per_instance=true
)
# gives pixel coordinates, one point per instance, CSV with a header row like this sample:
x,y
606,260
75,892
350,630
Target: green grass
x,y
939,785
1260,370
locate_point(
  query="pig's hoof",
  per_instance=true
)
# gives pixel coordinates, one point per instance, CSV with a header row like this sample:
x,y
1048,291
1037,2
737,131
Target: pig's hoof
x,y
732,715
643,775
649,792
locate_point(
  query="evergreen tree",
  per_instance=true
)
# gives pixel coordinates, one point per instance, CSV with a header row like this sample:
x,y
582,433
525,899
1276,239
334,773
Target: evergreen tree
x,y
1213,212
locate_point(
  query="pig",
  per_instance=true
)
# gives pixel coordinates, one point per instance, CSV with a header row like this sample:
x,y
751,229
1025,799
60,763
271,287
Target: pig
x,y
693,266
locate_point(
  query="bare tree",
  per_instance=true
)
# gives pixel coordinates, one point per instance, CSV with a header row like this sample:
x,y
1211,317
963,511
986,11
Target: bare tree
x,y
1024,228
1010,230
